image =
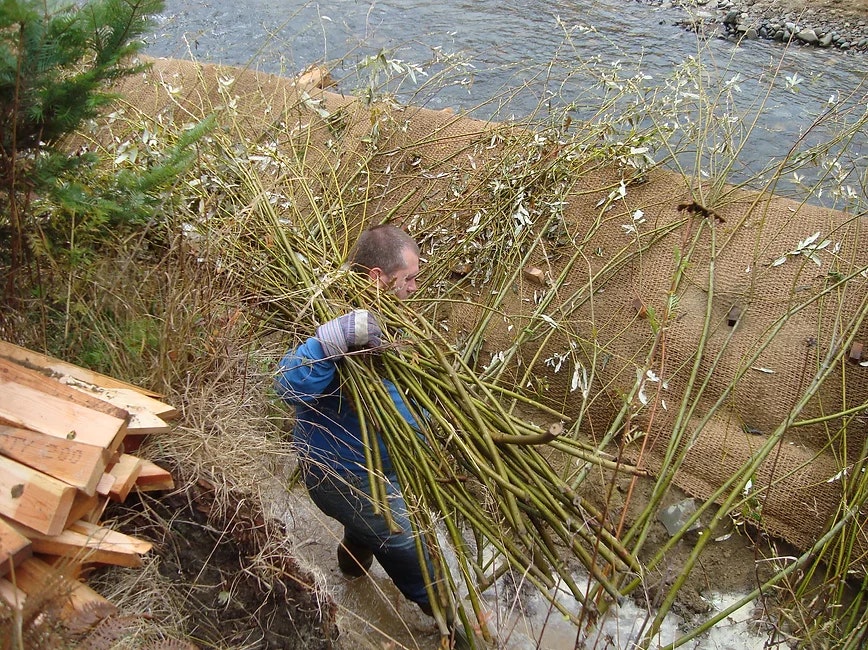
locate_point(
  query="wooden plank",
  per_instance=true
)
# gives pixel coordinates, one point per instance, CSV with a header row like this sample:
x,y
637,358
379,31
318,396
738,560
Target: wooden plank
x,y
130,398
35,359
82,606
124,398
152,477
34,499
29,408
13,372
13,596
145,423
115,538
72,462
88,542
125,471
34,383
84,506
14,547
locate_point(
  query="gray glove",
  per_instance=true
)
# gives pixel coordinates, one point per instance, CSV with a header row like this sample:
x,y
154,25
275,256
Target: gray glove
x,y
354,331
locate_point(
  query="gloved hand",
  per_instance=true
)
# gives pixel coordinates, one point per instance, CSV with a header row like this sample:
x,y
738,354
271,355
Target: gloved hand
x,y
354,331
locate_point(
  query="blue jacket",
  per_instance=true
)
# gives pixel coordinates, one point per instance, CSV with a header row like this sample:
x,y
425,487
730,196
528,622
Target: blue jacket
x,y
327,432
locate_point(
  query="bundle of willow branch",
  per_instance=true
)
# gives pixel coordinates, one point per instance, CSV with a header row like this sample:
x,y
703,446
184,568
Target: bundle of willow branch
x,y
473,445
476,459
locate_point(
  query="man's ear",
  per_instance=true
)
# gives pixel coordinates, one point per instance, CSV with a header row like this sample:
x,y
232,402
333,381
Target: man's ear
x,y
375,274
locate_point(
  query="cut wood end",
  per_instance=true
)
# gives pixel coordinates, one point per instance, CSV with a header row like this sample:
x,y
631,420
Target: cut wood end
x,y
125,471
152,477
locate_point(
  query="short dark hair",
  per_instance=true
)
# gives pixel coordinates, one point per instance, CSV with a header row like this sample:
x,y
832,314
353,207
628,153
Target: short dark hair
x,y
382,246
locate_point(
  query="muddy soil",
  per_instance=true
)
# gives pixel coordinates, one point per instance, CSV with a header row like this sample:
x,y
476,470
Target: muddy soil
x,y
231,601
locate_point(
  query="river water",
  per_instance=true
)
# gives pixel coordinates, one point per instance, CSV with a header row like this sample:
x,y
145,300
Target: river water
x,y
527,55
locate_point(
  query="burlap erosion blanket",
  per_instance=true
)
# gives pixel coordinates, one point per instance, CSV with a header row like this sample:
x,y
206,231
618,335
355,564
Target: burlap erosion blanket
x,y
702,327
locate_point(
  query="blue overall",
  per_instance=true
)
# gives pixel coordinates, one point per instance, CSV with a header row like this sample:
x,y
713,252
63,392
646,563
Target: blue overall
x,y
327,438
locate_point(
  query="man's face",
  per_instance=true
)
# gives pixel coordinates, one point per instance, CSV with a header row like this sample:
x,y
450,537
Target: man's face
x,y
403,281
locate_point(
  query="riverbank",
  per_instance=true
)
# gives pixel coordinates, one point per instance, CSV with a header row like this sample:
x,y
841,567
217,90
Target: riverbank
x,y
839,24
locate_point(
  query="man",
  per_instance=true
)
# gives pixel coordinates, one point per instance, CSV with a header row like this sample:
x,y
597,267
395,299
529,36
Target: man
x,y
327,431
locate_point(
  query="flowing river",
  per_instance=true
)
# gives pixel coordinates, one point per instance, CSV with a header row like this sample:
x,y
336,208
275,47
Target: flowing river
x,y
530,55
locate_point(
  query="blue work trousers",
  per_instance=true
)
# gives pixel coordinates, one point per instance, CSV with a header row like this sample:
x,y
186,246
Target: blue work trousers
x,y
346,497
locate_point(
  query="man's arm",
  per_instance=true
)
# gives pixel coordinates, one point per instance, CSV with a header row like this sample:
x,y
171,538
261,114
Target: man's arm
x,y
304,374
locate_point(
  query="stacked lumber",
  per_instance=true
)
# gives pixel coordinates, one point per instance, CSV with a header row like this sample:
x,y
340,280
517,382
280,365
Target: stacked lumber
x,y
67,437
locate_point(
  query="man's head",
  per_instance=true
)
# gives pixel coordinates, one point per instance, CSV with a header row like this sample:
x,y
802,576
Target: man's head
x,y
388,256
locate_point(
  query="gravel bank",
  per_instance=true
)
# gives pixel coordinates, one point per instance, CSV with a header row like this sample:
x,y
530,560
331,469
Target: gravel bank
x,y
786,22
